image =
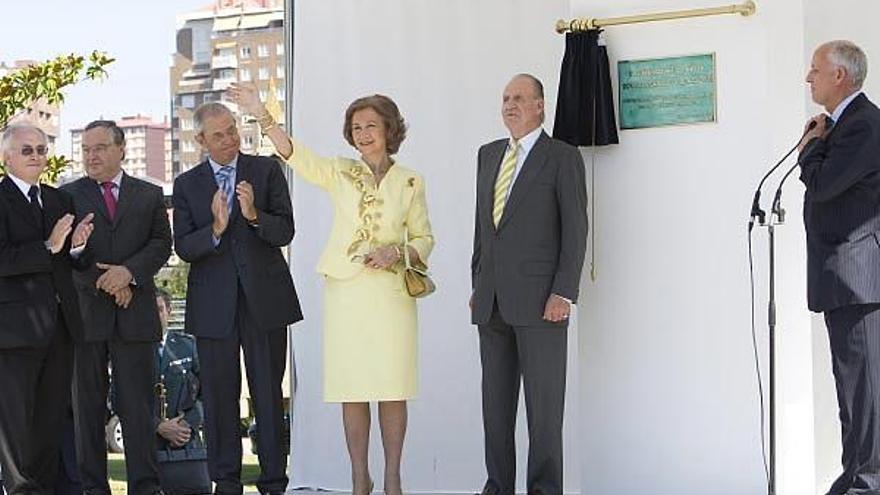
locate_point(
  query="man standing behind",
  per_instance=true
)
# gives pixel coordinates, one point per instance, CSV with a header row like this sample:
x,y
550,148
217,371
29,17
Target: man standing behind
x,y
840,166
178,415
529,242
177,370
232,214
131,242
38,311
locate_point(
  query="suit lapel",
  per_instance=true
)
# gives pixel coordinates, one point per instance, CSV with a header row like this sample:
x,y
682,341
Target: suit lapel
x,y
853,106
487,181
242,173
92,191
127,190
526,177
18,201
206,183
53,209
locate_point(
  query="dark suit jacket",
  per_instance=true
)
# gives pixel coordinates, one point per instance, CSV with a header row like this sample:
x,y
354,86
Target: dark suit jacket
x,y
32,280
539,245
247,256
139,237
842,210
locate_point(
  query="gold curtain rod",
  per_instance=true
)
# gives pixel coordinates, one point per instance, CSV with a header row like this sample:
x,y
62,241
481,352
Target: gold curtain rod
x,y
746,8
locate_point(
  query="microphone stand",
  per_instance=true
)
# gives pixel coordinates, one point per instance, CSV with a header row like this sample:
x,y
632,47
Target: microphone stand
x,y
779,213
771,336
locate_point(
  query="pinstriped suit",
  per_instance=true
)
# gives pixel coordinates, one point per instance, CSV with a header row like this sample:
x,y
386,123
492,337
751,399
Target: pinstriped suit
x,y
841,172
536,250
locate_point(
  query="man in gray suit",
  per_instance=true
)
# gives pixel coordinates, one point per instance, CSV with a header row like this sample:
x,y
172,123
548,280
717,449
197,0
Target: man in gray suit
x,y
840,167
529,241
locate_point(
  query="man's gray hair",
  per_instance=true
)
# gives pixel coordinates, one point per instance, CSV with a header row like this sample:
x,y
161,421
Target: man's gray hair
x,y
851,58
536,83
210,109
14,130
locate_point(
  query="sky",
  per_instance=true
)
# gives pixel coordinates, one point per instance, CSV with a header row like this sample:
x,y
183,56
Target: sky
x,y
139,34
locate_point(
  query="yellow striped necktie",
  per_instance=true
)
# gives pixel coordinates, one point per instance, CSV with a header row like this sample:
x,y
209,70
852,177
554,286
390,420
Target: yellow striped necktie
x,y
502,183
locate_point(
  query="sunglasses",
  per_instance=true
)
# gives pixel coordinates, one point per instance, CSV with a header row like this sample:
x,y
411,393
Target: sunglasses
x,y
29,150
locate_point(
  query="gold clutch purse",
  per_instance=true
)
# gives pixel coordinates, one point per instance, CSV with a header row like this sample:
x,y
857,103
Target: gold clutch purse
x,y
415,275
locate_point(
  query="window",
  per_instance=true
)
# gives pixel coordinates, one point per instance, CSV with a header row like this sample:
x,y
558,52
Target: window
x,y
244,74
263,95
186,124
279,72
279,48
187,101
245,51
262,50
201,41
249,141
189,147
225,52
226,74
264,73
279,92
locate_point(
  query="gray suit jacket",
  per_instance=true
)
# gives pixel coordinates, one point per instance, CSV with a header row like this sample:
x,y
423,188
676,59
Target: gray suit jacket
x,y
841,173
539,245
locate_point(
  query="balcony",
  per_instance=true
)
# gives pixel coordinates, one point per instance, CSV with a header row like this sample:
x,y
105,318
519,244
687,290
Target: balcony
x,y
222,83
224,62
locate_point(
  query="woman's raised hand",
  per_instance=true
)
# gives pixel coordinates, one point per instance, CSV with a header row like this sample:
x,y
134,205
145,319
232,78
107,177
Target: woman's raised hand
x,y
247,98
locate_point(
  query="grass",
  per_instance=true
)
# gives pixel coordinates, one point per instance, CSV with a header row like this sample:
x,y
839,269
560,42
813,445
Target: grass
x,y
250,470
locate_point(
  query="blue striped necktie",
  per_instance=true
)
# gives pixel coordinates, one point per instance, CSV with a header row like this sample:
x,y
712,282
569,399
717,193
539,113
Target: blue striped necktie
x,y
224,182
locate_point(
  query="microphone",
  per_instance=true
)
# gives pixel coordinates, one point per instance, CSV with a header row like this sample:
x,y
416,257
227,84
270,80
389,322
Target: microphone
x,y
775,206
757,212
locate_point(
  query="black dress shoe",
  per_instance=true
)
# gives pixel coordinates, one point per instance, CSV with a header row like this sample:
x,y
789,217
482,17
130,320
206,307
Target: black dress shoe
x,y
489,489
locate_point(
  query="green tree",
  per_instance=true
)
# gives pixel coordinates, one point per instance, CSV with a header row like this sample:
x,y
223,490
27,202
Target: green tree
x,y
21,88
173,279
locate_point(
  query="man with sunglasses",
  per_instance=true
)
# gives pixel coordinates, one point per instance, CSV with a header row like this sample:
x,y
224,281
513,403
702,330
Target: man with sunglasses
x,y
131,242
39,315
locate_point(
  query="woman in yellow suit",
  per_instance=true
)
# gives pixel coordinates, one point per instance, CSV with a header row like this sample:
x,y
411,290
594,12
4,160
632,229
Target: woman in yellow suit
x,y
370,321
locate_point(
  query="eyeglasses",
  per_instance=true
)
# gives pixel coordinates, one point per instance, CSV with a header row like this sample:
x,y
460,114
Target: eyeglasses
x,y
29,150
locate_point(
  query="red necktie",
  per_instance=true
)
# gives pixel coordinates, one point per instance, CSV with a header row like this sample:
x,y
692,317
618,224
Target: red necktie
x,y
109,199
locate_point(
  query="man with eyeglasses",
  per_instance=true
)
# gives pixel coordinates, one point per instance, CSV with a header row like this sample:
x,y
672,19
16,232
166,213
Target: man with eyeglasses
x,y
131,242
39,315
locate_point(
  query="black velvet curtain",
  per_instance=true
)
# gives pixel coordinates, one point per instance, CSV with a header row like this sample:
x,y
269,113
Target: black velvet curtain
x,y
585,103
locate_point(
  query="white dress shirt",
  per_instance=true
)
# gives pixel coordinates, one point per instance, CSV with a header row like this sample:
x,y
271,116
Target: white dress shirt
x,y
526,143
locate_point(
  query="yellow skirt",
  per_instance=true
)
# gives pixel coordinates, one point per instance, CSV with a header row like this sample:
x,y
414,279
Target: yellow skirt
x,y
370,339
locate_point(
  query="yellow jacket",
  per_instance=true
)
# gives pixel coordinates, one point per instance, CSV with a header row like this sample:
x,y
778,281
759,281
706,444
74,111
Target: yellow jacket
x,y
365,218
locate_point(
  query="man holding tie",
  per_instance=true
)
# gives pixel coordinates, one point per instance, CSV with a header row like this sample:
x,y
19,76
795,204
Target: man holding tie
x,y
38,311
131,242
840,167
529,243
232,214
